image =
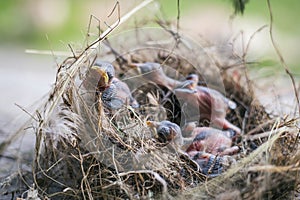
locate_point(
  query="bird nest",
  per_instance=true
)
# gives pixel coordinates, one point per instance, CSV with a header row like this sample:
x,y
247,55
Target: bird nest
x,y
83,151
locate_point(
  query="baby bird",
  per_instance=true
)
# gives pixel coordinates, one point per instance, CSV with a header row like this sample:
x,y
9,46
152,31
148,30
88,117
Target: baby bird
x,y
99,76
213,141
114,92
153,72
204,103
209,164
210,148
207,149
167,132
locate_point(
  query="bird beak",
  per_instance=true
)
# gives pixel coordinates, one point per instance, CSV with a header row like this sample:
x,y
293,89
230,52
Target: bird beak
x,y
185,84
102,73
184,91
135,66
152,124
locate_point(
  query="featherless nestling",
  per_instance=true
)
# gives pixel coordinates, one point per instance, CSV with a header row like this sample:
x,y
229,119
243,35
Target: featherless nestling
x,y
206,149
209,164
213,141
204,103
167,132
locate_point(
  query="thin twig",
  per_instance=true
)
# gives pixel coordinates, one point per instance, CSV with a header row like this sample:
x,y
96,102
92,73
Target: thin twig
x,y
283,63
272,168
251,38
117,4
23,109
72,50
48,52
55,60
266,134
120,58
178,15
89,50
155,174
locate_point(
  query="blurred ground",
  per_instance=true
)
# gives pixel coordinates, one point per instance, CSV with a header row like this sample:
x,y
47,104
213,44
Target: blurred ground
x,y
24,80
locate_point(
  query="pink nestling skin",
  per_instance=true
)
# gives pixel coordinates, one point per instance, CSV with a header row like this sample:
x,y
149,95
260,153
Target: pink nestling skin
x,y
203,155
212,141
206,103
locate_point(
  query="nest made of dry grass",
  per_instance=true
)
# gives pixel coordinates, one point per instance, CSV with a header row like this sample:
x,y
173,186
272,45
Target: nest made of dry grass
x,y
84,152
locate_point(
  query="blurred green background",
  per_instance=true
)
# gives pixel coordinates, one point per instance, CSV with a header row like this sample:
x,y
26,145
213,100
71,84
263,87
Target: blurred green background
x,y
52,24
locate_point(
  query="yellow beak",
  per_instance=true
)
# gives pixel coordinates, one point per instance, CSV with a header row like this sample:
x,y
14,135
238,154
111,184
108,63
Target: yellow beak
x,y
152,124
136,67
102,73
